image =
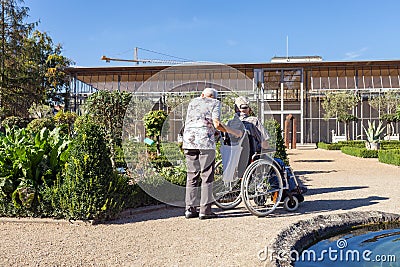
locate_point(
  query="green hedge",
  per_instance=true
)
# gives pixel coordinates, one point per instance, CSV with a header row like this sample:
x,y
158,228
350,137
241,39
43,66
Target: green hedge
x,y
359,152
390,156
393,144
334,146
339,145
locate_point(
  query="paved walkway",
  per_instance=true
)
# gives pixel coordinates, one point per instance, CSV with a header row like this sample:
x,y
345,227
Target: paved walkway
x,y
337,183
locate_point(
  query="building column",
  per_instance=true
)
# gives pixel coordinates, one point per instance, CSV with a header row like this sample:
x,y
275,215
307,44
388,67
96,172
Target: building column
x,y
301,110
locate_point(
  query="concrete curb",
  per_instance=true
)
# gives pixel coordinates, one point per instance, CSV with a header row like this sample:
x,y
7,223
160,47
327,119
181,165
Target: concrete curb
x,y
300,235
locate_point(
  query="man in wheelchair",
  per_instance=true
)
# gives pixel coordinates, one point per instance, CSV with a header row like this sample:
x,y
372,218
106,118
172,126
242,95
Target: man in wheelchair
x,y
255,142
256,138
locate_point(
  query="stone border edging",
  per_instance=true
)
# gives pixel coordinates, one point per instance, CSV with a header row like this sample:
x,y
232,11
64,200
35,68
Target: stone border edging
x,y
300,235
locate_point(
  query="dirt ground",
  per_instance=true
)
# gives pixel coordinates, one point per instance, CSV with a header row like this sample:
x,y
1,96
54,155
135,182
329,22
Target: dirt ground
x,y
163,237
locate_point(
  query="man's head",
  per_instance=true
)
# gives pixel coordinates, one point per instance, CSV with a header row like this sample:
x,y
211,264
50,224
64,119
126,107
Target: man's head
x,y
242,104
210,92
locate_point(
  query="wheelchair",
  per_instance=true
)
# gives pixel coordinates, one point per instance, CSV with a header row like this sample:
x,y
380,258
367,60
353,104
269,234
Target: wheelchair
x,y
266,183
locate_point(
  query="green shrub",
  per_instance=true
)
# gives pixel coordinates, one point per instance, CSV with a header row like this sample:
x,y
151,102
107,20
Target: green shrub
x,y
359,152
38,124
389,156
276,140
14,121
90,188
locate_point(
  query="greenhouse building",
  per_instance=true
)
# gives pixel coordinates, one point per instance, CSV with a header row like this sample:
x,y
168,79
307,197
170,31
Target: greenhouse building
x,y
296,86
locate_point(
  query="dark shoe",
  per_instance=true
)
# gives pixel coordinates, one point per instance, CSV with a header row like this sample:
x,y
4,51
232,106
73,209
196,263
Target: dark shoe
x,y
208,216
191,213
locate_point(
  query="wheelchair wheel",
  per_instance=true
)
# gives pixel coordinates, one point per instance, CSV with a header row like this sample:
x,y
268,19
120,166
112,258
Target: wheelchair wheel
x,y
291,204
226,195
262,187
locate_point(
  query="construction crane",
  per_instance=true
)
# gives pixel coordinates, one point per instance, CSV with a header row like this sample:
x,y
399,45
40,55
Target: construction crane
x,y
137,60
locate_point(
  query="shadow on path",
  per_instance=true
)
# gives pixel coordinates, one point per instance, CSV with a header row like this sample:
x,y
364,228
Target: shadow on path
x,y
316,191
314,160
316,206
173,212
154,214
312,172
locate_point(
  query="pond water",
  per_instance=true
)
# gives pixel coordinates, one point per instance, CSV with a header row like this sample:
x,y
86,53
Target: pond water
x,y
377,245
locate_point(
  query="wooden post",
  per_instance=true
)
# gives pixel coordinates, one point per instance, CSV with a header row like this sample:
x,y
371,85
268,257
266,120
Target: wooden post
x,y
287,139
294,132
290,124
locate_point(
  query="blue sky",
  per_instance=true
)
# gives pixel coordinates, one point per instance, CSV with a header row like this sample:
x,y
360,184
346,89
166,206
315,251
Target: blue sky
x,y
220,31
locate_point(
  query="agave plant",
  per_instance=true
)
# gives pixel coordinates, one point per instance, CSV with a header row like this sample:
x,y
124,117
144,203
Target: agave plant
x,y
373,132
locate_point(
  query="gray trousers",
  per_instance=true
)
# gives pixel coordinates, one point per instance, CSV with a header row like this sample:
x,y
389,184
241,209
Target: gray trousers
x,y
200,164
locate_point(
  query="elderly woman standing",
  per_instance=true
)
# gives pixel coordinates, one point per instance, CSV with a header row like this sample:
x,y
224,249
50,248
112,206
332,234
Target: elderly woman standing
x,y
202,120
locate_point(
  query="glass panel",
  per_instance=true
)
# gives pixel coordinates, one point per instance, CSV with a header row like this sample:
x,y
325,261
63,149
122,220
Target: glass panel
x,y
333,79
385,78
350,74
376,73
324,79
272,84
341,79
394,77
366,79
315,79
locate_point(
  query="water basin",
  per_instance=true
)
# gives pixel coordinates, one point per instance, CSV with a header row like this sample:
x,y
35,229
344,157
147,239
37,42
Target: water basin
x,y
375,245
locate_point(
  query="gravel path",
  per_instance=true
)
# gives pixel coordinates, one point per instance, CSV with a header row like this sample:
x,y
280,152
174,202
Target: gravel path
x,y
337,183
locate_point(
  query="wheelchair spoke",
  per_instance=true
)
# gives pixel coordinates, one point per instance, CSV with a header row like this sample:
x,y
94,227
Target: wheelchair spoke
x,y
262,187
227,195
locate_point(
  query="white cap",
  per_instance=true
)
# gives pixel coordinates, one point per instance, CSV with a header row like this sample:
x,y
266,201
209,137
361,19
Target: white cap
x,y
241,100
210,92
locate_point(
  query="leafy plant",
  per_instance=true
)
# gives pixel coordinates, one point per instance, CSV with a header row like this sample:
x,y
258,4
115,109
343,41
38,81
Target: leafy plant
x,y
154,122
175,174
40,111
28,162
373,132
38,124
14,121
66,118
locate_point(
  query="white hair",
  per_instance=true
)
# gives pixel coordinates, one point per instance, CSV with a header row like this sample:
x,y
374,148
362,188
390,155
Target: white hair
x,y
210,92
